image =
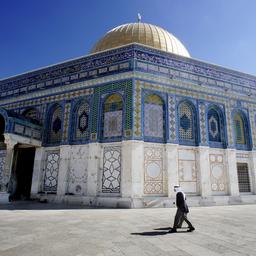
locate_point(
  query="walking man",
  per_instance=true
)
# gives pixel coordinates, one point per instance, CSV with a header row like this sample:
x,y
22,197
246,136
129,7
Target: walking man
x,y
182,210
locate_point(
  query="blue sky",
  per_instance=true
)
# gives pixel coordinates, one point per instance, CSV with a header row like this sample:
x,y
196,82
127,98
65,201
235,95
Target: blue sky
x,y
34,33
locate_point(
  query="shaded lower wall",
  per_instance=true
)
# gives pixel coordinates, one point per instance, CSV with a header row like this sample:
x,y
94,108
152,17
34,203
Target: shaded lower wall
x,y
138,174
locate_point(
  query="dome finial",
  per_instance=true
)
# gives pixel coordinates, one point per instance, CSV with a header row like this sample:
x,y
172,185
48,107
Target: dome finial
x,y
139,17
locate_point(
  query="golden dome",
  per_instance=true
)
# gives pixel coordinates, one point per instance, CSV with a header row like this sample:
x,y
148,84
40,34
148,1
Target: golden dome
x,y
141,33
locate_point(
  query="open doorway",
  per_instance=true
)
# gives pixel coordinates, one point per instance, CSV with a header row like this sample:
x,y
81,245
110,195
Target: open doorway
x,y
21,179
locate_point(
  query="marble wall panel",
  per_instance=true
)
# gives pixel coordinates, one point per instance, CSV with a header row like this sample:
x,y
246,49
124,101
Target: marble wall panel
x,y
218,174
155,177
78,171
51,171
111,175
188,171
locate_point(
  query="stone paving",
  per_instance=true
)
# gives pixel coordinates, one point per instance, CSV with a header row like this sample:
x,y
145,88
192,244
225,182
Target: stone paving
x,y
43,229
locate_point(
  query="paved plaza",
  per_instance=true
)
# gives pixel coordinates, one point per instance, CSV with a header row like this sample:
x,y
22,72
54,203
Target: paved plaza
x,y
44,229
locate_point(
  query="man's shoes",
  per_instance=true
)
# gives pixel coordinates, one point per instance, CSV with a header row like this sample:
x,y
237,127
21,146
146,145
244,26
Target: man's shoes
x,y
173,230
191,229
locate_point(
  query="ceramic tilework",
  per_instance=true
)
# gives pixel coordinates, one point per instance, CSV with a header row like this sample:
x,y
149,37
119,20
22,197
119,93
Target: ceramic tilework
x,y
111,176
153,120
186,130
2,165
214,126
154,173
172,114
137,112
253,126
239,129
51,171
113,124
218,175
66,122
82,121
202,123
125,87
229,125
56,125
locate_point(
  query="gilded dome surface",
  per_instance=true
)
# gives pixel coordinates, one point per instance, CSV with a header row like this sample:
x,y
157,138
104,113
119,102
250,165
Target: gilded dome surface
x,y
141,33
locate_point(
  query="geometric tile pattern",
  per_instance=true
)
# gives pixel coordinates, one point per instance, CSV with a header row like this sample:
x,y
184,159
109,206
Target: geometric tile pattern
x,y
137,112
51,172
111,176
239,129
217,173
122,87
253,126
56,125
214,126
172,114
153,120
229,125
186,128
66,121
202,123
113,124
2,165
154,175
82,121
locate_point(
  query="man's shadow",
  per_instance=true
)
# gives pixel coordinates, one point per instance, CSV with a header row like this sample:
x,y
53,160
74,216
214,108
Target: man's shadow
x,y
158,233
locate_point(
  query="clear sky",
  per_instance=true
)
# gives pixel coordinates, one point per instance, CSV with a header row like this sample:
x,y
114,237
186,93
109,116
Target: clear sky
x,y
37,33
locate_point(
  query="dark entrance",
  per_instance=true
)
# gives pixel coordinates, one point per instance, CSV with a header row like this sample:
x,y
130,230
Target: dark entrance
x,y
21,179
2,130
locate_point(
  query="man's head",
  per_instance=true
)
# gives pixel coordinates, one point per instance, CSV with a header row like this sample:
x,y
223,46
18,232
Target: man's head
x,y
177,188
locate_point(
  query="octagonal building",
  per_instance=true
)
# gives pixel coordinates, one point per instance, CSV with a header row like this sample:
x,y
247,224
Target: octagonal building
x,y
122,125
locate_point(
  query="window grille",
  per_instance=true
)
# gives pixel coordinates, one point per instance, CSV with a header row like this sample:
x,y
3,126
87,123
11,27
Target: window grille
x,y
243,177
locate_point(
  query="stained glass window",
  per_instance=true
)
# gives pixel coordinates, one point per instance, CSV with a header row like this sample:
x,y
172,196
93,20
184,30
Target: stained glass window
x,y
56,125
82,121
153,116
239,129
214,131
113,116
186,122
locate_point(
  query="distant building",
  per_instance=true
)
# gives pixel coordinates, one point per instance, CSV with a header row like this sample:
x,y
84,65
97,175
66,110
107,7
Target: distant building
x,y
121,126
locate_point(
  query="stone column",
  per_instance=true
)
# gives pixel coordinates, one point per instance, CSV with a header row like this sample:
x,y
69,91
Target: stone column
x,y
63,169
204,170
232,172
10,143
37,171
126,173
172,159
253,171
132,171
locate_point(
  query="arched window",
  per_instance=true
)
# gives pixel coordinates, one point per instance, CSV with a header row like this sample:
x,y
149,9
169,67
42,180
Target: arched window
x,y
214,126
153,116
113,116
32,113
187,123
55,131
239,126
81,121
